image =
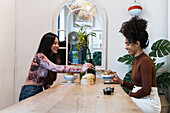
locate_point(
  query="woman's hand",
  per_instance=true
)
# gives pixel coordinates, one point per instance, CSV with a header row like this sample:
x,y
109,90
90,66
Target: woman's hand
x,y
89,65
86,66
117,79
111,72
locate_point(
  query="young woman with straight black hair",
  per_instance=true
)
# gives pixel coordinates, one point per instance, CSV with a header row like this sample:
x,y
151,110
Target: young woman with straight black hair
x,y
44,67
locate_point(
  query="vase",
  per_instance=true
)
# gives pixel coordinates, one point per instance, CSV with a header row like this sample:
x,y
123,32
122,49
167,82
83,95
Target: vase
x,y
81,75
93,71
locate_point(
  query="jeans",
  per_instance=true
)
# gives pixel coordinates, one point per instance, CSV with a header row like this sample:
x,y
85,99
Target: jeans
x,y
30,90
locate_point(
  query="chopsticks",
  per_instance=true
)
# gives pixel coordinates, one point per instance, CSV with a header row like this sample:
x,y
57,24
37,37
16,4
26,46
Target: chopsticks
x,y
93,68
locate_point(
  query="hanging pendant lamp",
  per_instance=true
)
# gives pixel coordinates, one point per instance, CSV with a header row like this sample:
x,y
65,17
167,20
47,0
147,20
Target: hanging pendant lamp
x,y
135,9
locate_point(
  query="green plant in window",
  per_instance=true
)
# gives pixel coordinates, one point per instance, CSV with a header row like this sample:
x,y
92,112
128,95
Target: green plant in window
x,y
83,42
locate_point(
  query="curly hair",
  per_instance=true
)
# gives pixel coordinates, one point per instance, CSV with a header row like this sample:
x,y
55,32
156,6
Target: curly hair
x,y
135,30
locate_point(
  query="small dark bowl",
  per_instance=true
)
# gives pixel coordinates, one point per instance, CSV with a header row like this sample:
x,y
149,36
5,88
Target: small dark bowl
x,y
109,88
112,89
106,92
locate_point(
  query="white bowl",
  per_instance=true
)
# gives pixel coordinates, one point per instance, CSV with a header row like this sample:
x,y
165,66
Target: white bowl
x,y
70,78
85,82
90,75
107,78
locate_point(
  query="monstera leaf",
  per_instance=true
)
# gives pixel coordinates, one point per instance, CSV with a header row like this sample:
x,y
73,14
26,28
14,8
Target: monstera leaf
x,y
128,59
160,48
159,65
163,80
127,78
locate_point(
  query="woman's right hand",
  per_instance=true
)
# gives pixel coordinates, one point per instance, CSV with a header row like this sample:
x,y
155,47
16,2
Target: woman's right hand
x,y
117,79
86,66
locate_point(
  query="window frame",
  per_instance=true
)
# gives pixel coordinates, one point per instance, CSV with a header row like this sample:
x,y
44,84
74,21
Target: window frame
x,y
100,8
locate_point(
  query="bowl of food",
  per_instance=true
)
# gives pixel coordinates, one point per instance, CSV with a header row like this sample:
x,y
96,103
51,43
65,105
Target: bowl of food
x,y
70,77
88,79
108,76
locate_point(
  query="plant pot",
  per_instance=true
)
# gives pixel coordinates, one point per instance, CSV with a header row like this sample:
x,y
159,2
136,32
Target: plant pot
x,y
81,75
164,104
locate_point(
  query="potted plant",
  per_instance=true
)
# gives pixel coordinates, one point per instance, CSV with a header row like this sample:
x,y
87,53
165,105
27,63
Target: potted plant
x,y
83,42
82,46
159,49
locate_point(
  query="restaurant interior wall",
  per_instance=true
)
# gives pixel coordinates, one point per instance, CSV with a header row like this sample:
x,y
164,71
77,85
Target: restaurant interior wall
x,y
34,18
35,21
7,48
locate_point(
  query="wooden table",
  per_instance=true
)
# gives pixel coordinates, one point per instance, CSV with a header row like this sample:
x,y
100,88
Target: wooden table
x,y
77,99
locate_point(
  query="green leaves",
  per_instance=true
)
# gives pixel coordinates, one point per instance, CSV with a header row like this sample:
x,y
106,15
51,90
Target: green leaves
x,y
127,78
128,59
159,65
163,80
160,48
83,41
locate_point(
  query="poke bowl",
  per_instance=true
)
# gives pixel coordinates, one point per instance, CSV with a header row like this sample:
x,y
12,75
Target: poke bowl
x,y
70,77
108,77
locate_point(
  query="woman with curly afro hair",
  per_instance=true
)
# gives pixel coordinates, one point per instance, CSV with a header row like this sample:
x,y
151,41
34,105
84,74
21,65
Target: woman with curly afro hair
x,y
144,89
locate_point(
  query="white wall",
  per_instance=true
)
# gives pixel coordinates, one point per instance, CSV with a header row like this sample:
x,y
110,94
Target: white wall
x,y
34,18
157,26
7,47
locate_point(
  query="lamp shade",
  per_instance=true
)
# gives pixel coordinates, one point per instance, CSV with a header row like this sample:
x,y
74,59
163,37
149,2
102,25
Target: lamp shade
x,y
135,9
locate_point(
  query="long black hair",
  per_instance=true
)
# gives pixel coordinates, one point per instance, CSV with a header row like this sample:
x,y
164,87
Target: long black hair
x,y
135,30
45,48
46,43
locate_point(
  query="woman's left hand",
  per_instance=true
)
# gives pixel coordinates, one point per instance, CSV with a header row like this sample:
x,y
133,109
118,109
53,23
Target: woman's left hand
x,y
117,79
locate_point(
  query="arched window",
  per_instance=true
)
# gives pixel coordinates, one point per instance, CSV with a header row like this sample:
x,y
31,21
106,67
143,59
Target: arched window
x,y
85,13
